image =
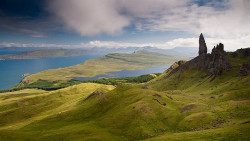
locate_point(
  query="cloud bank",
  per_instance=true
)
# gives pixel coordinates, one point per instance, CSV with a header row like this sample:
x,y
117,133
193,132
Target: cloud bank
x,y
224,19
230,44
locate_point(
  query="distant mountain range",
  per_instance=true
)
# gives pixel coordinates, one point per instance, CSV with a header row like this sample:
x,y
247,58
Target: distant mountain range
x,y
177,51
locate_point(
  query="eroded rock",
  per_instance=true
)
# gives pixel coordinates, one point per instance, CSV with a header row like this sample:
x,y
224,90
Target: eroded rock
x,y
202,45
214,63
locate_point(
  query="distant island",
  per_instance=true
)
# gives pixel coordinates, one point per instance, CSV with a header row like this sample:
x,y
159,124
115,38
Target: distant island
x,y
46,53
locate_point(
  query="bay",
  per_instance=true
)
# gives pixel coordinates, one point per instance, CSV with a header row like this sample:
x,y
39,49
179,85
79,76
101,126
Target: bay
x,y
11,71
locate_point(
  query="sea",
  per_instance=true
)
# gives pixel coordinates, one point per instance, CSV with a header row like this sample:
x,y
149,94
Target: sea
x,y
11,71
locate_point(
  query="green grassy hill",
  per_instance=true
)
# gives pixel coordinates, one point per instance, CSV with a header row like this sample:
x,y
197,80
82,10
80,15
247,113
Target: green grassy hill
x,y
180,104
46,53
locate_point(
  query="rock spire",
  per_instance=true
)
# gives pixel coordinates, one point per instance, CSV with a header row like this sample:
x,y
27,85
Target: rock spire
x,y
214,63
202,45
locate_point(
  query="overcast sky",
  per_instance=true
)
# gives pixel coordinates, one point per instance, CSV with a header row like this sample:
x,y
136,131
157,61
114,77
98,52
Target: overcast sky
x,y
124,23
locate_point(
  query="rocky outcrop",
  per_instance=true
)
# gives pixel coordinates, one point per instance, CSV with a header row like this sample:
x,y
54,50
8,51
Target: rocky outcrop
x,y
202,45
219,61
175,67
244,70
214,63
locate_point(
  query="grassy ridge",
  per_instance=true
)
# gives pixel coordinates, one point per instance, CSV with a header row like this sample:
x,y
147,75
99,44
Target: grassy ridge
x,y
183,106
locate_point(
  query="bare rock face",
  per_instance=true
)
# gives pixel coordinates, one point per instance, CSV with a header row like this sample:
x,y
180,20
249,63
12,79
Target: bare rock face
x,y
218,62
202,45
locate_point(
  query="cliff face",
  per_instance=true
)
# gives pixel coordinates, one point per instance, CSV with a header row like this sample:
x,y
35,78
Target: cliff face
x,y
214,63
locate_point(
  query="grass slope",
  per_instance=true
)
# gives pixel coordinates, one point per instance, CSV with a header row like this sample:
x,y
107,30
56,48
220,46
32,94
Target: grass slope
x,y
21,108
183,106
102,65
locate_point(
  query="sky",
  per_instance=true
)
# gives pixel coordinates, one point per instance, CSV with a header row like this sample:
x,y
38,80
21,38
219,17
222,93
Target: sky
x,y
124,23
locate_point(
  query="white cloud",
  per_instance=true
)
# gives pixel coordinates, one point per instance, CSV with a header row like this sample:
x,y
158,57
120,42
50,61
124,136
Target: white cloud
x,y
93,17
90,17
226,21
230,44
226,18
230,23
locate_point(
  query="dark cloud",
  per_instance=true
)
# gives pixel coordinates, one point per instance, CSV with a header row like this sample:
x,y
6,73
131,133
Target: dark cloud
x,y
39,27
28,17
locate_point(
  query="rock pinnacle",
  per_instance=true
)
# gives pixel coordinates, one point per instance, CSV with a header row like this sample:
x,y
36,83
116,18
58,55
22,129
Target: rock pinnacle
x,y
202,45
